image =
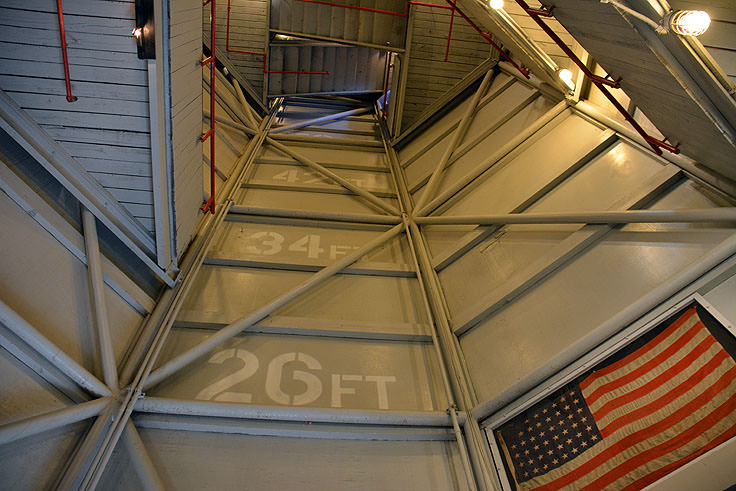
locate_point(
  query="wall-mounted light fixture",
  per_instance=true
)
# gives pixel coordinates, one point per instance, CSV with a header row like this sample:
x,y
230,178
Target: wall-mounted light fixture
x,y
143,33
496,4
566,76
688,22
683,22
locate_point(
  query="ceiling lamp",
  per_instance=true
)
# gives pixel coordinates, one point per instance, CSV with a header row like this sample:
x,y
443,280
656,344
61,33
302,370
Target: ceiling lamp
x,y
687,22
496,4
683,22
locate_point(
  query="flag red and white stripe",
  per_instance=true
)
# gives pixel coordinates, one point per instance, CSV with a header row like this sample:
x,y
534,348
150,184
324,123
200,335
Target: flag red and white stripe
x,y
656,409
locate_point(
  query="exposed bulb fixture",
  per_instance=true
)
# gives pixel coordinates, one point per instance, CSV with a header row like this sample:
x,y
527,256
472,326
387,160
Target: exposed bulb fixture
x,y
683,22
688,22
137,32
566,76
496,4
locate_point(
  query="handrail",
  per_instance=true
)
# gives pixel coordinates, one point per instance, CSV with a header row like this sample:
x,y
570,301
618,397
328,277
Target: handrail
x,y
259,53
452,6
62,37
209,205
598,81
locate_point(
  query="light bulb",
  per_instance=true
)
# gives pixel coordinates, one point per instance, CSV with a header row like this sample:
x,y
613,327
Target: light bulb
x,y
566,76
137,32
689,22
496,4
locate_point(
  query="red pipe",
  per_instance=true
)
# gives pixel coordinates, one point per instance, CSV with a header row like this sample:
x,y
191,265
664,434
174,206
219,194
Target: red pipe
x,y
534,14
209,205
259,53
449,32
62,35
599,82
487,37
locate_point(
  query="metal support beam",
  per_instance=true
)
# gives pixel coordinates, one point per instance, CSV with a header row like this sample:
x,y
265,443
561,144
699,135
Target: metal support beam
x,y
562,252
466,243
141,461
323,119
697,170
705,215
226,122
79,183
246,107
457,137
51,420
492,160
72,477
294,413
51,352
346,42
98,304
240,325
613,325
315,215
368,196
452,377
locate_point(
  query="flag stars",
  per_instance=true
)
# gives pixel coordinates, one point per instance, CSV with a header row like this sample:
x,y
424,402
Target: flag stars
x,y
526,452
531,462
555,461
567,407
532,439
544,411
583,443
546,442
536,470
521,433
574,425
550,452
569,441
589,428
523,442
575,401
540,456
552,428
594,437
536,447
578,434
546,466
574,450
565,432
548,419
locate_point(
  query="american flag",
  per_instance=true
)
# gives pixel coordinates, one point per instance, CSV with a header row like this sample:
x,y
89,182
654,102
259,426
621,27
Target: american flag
x,y
629,423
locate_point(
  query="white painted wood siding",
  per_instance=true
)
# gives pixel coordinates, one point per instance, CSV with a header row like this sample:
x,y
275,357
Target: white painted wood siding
x,y
429,75
186,115
107,129
248,27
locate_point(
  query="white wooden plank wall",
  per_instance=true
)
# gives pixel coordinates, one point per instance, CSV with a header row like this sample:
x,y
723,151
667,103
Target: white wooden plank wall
x,y
248,27
540,37
186,115
429,76
341,23
106,130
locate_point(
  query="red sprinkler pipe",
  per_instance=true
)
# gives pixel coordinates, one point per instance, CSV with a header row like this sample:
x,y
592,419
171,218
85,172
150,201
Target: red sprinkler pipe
x,y
209,205
598,81
451,6
259,53
449,32
535,14
62,36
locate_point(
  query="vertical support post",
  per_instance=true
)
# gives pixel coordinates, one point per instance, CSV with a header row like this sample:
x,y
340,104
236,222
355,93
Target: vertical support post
x,y
452,372
99,307
161,163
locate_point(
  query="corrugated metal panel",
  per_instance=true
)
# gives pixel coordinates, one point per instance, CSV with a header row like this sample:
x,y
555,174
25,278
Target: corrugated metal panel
x,y
109,122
